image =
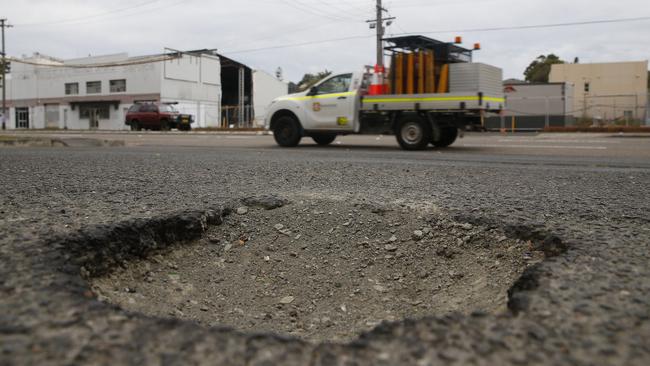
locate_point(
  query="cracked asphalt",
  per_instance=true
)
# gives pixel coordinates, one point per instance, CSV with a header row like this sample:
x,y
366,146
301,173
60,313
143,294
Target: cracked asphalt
x,y
587,306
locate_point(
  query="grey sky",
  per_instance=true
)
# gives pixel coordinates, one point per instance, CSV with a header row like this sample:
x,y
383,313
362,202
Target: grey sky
x,y
76,28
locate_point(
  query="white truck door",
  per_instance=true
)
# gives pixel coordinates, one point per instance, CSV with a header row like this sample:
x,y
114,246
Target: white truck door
x,y
331,104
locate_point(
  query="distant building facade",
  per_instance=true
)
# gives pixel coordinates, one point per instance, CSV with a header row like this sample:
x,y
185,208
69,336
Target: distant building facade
x,y
86,97
609,92
45,92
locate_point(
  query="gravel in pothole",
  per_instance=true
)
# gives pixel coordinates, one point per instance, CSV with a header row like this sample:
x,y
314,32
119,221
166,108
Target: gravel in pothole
x,y
323,270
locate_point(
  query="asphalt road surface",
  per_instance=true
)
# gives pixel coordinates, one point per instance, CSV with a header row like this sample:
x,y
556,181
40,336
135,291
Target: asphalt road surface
x,y
65,208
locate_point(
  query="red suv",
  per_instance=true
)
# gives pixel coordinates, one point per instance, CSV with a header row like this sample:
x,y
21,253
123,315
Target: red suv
x,y
153,116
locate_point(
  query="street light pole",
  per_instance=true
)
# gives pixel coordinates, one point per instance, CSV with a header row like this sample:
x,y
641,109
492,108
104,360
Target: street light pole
x,y
3,25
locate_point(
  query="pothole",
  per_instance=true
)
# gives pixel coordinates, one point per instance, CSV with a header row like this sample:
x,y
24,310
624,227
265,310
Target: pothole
x,y
323,270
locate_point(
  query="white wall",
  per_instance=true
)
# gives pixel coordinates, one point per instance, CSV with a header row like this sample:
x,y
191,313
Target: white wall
x,y
266,88
195,83
39,82
537,99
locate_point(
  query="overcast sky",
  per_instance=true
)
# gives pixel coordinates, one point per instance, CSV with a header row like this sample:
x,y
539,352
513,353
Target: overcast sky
x,y
246,30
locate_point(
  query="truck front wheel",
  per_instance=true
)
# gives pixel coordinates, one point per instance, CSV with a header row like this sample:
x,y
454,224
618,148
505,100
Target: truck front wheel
x,y
286,132
413,133
324,138
447,137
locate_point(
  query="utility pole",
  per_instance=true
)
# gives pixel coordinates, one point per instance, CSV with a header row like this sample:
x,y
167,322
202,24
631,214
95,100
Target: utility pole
x,y
3,25
380,34
378,24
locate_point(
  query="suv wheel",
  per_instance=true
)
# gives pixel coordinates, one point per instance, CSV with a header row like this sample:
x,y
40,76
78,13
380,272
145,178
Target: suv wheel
x,y
164,125
135,126
286,132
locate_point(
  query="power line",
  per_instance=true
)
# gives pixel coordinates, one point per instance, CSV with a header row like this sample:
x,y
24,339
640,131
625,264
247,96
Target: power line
x,y
348,12
139,61
492,29
537,26
300,44
306,9
63,21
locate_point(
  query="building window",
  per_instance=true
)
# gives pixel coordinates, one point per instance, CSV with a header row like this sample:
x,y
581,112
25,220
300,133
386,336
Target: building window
x,y
587,87
71,88
118,86
93,87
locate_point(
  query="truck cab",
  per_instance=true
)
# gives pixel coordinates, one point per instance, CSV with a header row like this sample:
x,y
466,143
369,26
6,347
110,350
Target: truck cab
x,y
326,109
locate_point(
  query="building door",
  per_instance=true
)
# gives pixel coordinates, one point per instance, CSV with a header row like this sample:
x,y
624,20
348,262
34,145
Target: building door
x,y
22,117
52,116
94,118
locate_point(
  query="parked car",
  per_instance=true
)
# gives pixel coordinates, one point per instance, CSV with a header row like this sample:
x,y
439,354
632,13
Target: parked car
x,y
157,116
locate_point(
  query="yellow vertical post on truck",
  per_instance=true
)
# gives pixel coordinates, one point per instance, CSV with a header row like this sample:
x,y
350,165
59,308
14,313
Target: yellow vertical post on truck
x,y
421,72
443,85
410,74
399,73
430,86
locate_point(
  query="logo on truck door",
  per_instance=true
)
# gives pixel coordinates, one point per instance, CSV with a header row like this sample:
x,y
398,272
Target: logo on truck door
x,y
316,107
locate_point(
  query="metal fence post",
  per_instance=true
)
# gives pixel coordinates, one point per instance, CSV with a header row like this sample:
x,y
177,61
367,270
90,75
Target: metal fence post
x,y
547,121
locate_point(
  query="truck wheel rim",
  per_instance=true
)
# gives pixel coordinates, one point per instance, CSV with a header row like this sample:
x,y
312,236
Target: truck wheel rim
x,y
286,132
412,133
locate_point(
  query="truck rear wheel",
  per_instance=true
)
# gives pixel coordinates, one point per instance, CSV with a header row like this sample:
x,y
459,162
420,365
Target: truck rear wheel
x,y
324,138
448,136
412,132
286,132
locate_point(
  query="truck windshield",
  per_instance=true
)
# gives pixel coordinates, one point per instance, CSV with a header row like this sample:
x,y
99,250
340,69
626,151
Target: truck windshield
x,y
167,108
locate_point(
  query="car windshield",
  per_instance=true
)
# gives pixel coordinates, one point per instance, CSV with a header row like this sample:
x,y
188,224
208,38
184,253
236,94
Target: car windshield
x,y
167,108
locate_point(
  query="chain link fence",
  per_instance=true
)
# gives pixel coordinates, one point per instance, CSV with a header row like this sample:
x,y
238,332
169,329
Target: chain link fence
x,y
538,113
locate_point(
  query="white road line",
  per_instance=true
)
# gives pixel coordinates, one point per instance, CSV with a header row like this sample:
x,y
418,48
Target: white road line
x,y
539,146
560,141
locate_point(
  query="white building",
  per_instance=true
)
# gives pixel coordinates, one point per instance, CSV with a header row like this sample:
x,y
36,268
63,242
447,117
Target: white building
x,y
266,87
610,92
45,92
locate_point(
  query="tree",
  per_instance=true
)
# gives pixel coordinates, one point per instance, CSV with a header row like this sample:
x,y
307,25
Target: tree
x,y
540,68
308,80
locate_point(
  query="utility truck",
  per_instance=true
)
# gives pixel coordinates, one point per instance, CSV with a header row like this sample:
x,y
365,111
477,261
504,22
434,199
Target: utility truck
x,y
432,90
